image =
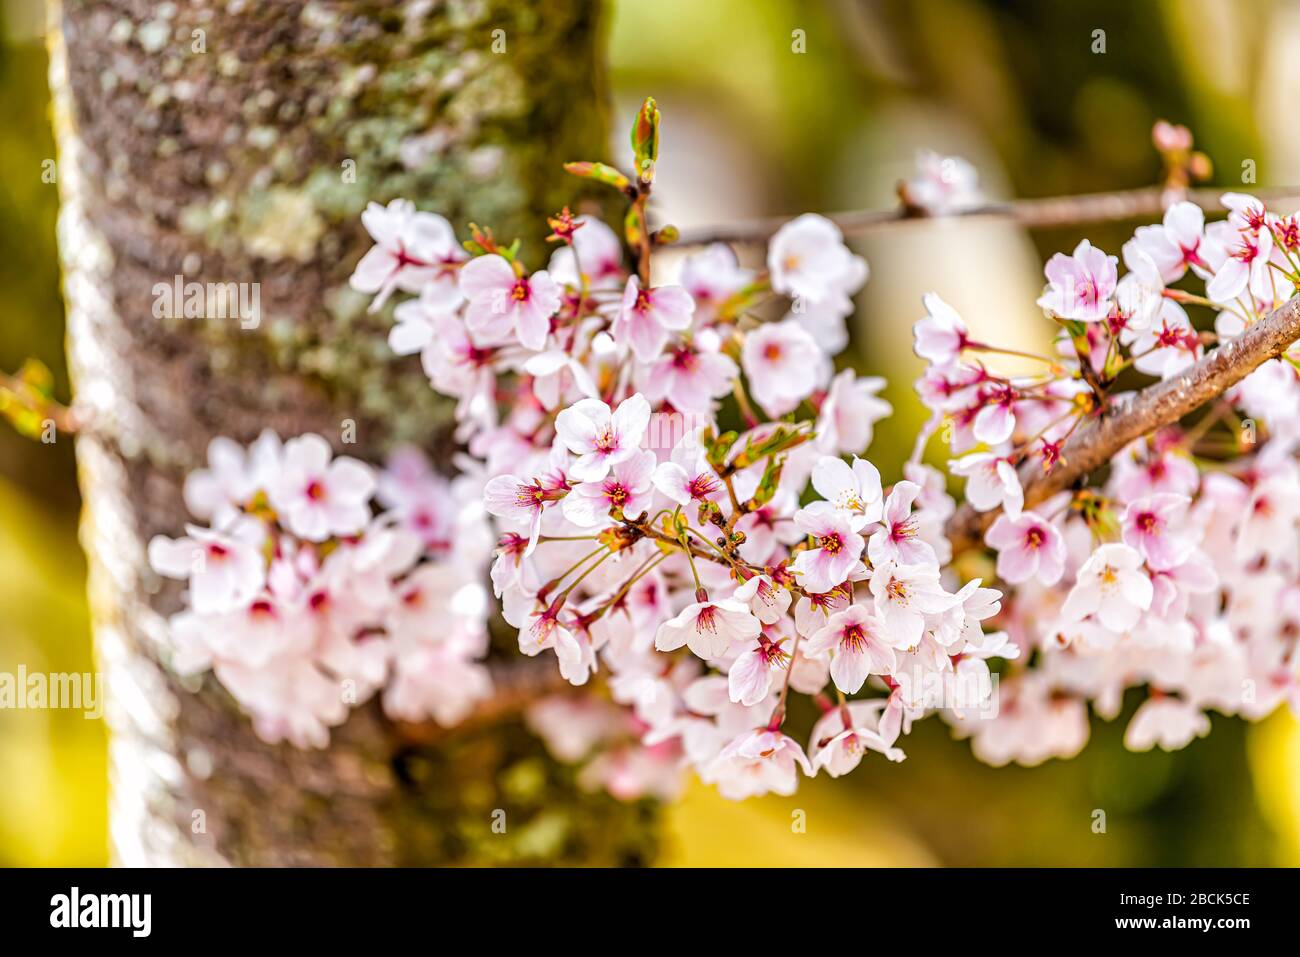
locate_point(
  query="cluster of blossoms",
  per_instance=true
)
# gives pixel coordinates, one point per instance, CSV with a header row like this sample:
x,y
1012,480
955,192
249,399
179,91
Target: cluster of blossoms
x,y
1112,586
684,520
303,602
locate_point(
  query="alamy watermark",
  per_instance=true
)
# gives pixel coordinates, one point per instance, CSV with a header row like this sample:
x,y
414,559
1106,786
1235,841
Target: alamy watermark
x,y
63,690
179,299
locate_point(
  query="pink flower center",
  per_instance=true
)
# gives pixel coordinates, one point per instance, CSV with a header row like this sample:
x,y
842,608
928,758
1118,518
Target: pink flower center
x,y
707,620
854,639
315,490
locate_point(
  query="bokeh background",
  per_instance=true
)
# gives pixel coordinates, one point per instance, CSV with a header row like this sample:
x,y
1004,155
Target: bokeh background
x,y
752,127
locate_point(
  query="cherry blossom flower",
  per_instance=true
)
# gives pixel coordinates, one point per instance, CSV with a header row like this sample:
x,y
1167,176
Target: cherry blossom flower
x,y
1152,525
1080,286
708,628
1112,586
783,365
899,539
1168,722
1246,267
688,376
224,571
765,599
849,413
749,680
1176,244
991,482
688,477
943,184
648,315
837,547
600,438
808,259
904,596
318,496
859,647
996,420
627,487
233,477
851,488
412,250
1028,548
712,276
839,743
501,302
510,497
941,335
757,762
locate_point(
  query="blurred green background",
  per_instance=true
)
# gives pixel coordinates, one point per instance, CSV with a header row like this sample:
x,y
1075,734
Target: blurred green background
x,y
752,127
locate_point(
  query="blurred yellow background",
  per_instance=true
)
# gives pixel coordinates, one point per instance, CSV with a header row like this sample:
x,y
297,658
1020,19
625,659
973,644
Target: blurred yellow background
x,y
752,127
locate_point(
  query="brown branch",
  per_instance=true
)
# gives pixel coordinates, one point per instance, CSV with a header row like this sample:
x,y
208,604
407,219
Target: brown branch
x,y
1130,416
1044,213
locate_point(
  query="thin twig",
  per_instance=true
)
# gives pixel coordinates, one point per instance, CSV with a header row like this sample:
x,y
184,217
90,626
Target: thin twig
x,y
1135,414
1045,213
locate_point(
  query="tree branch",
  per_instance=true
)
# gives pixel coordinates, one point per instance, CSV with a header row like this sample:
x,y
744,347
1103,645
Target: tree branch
x,y
1132,415
1044,213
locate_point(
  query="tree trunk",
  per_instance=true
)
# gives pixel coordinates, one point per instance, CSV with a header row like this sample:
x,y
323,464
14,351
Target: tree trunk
x,y
239,141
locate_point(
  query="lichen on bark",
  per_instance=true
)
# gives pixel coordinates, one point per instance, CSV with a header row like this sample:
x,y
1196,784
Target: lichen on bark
x,y
239,141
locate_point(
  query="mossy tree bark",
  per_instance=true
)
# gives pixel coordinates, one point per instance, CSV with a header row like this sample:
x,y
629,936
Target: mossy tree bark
x,y
235,141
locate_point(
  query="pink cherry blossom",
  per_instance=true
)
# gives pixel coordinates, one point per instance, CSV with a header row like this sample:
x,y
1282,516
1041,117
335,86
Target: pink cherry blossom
x,y
691,378
1154,526
510,497
943,184
757,762
851,488
991,482
750,678
318,496
859,647
1176,244
1171,723
836,550
768,601
224,570
627,487
500,302
648,315
412,249
995,422
844,735
783,365
1080,286
941,335
713,275
905,596
807,258
688,477
708,628
1112,586
1245,268
1028,548
899,540
846,421
601,438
